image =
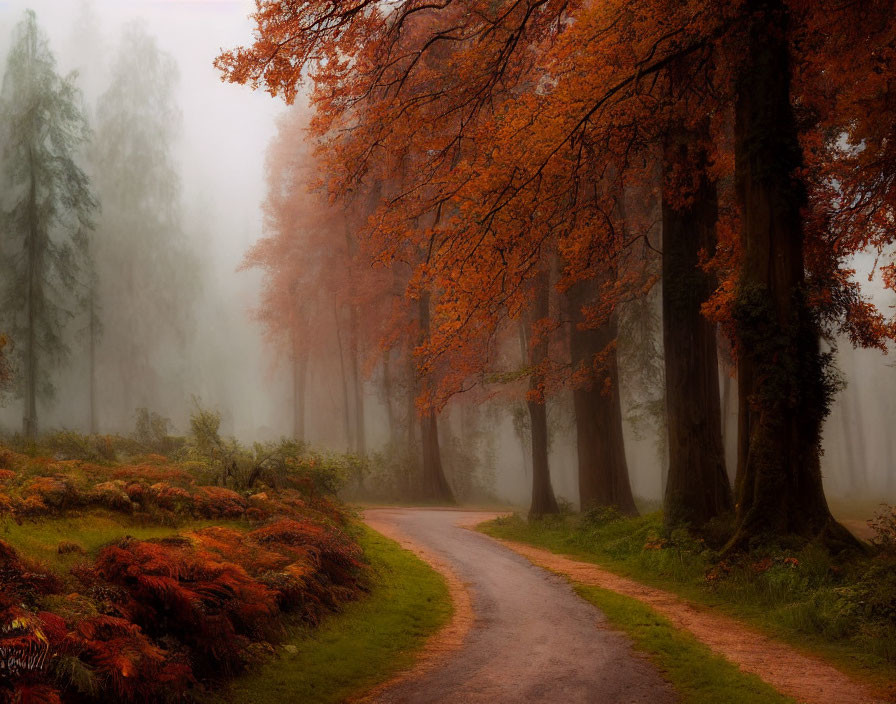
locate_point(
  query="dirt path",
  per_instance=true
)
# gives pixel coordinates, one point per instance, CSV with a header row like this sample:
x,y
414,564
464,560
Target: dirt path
x,y
804,678
522,636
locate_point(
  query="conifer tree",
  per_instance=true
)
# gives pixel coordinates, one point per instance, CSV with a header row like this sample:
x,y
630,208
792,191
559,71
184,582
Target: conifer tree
x,y
45,213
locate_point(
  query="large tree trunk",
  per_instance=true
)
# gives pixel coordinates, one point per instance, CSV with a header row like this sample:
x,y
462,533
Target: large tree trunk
x,y
697,486
603,469
434,486
543,499
783,392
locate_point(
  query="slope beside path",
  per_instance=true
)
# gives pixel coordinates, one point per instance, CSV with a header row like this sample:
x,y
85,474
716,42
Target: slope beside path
x,y
807,679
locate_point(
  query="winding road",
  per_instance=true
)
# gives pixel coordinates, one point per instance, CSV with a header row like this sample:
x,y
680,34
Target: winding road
x,y
522,635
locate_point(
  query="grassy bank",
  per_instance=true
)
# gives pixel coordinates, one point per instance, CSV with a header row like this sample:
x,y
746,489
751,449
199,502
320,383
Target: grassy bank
x,y
131,580
698,675
364,644
840,610
86,533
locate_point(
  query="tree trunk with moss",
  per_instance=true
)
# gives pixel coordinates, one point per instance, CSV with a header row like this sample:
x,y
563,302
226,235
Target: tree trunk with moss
x,y
783,387
435,486
603,468
543,499
697,486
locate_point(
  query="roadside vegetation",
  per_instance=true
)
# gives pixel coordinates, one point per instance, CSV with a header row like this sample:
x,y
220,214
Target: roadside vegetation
x,y
698,675
364,644
840,607
131,575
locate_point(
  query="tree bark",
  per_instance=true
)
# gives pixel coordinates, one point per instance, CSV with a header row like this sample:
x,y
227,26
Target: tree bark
x,y
543,499
697,486
434,486
603,469
783,391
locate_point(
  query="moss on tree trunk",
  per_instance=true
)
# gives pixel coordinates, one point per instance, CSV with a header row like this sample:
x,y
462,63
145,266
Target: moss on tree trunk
x,y
784,391
697,487
603,469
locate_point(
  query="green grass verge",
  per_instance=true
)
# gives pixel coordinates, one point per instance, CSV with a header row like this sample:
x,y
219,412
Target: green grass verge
x,y
697,674
810,605
364,644
91,530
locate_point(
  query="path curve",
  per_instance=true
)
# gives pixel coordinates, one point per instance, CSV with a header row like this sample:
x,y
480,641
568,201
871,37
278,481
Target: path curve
x,y
526,636
807,679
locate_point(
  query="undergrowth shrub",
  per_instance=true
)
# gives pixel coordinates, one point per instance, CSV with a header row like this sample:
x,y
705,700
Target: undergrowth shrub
x,y
172,590
149,620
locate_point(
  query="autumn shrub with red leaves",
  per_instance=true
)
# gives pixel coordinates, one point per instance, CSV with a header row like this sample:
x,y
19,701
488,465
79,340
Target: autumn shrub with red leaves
x,y
148,619
173,589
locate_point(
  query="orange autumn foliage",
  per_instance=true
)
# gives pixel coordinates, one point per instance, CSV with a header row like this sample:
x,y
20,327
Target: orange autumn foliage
x,y
520,125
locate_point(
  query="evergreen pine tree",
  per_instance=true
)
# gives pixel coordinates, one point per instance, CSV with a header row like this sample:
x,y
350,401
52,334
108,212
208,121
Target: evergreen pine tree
x,y
45,212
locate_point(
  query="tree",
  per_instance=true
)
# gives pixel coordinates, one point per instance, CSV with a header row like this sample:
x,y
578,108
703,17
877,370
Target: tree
x,y
521,117
48,210
784,384
543,499
435,486
697,487
314,287
147,277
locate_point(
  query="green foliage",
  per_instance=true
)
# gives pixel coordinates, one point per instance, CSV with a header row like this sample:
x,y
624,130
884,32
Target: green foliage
x,y
152,433
598,516
47,209
390,474
73,673
843,606
69,445
281,464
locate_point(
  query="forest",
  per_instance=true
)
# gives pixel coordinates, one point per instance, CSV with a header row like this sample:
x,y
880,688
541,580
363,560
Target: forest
x,y
454,351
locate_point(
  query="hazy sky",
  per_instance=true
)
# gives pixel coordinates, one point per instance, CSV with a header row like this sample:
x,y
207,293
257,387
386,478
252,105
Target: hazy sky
x,y
226,127
226,130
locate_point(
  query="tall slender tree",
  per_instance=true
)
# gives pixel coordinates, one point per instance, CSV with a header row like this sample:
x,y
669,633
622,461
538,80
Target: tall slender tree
x,y
697,487
543,499
783,387
147,275
47,213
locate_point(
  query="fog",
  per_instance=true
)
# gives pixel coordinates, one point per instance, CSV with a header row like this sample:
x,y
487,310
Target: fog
x,y
219,155
190,333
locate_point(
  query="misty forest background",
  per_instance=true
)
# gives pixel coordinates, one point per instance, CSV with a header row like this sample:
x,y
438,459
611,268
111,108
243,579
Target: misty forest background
x,y
152,301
